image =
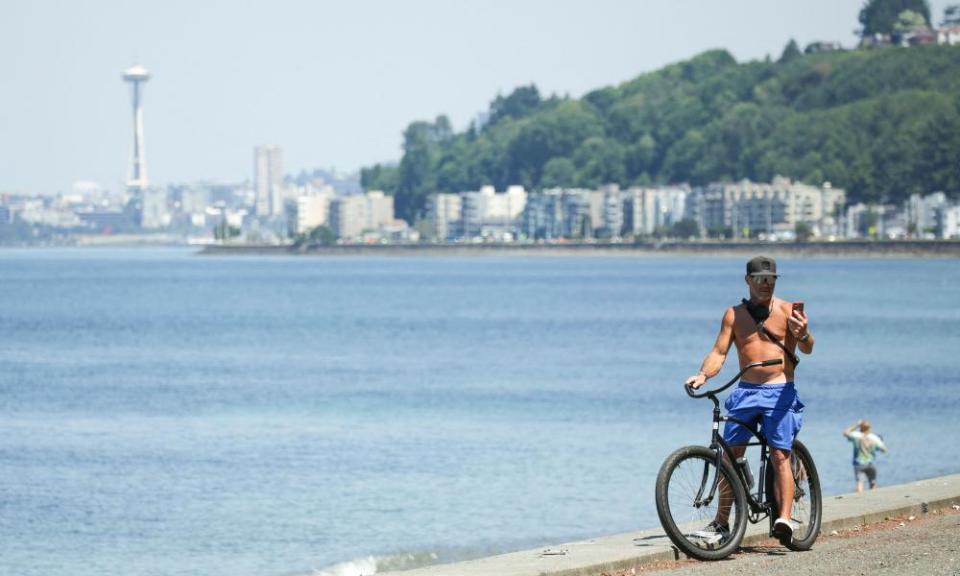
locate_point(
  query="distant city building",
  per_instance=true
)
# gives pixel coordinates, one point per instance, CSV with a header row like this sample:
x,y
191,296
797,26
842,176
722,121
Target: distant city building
x,y
268,181
948,222
819,47
153,209
543,215
311,211
379,210
351,217
577,219
348,216
872,221
605,211
487,214
612,221
949,35
649,210
397,231
89,191
194,199
109,220
748,208
920,213
920,36
445,212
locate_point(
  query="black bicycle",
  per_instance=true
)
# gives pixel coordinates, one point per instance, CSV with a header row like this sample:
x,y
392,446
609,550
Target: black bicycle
x,y
697,485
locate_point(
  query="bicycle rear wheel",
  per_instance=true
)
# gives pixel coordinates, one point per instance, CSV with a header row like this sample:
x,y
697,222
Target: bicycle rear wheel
x,y
807,509
684,507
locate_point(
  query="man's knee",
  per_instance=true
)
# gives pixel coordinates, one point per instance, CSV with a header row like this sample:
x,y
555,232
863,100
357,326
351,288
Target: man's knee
x,y
779,455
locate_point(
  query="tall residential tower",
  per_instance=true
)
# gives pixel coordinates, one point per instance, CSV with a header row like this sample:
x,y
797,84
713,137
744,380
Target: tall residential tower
x,y
268,180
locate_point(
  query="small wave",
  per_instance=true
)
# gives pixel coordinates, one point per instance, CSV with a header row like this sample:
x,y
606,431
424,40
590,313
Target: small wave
x,y
371,565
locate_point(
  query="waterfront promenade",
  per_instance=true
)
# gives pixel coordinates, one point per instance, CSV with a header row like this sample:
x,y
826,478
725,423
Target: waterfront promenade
x,y
623,554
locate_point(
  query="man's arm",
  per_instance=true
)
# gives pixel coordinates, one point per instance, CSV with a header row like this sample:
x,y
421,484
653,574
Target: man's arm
x,y
718,354
850,430
797,321
880,445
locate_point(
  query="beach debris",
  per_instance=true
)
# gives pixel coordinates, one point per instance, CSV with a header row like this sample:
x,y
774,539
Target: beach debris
x,y
902,524
554,552
911,518
956,506
834,533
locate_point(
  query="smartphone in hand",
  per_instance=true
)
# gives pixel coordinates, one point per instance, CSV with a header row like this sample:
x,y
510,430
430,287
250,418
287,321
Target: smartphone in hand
x,y
798,306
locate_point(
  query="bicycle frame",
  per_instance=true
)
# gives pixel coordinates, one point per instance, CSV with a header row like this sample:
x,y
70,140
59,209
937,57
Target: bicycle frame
x,y
757,503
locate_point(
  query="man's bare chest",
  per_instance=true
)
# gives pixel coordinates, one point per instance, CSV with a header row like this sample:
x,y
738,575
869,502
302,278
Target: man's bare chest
x,y
745,327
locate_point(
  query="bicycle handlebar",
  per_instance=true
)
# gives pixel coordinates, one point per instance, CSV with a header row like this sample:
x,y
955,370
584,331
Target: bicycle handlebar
x,y
772,362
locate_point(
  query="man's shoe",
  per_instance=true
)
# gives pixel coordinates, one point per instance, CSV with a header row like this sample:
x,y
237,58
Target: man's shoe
x,y
783,531
713,533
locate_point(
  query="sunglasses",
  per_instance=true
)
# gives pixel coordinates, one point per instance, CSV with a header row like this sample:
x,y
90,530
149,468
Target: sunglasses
x,y
764,279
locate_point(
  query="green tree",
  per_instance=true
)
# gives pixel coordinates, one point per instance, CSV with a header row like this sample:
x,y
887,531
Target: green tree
x,y
554,133
790,52
880,16
522,102
422,143
380,177
686,228
909,20
224,231
938,161
599,161
558,172
803,232
641,157
602,99
879,123
323,235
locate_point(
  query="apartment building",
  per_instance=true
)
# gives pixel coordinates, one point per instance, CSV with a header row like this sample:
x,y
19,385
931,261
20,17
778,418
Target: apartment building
x,y
748,208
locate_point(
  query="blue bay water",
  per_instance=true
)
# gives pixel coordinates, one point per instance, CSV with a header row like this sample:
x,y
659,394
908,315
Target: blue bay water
x,y
166,413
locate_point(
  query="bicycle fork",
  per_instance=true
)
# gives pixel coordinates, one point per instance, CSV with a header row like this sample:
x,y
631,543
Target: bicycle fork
x,y
700,501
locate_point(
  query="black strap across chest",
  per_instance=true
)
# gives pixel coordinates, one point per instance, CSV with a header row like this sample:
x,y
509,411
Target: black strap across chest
x,y
760,314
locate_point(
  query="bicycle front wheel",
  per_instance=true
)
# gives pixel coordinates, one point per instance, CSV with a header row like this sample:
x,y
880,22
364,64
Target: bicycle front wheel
x,y
686,506
807,508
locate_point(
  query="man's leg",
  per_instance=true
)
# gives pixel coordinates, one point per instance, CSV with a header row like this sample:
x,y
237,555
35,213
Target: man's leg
x,y
784,480
726,492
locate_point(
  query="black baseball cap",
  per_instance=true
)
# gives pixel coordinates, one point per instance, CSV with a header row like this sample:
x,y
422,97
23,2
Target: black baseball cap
x,y
762,266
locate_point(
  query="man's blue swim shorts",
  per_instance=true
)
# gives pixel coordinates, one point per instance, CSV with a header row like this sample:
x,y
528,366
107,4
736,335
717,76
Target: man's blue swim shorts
x,y
775,406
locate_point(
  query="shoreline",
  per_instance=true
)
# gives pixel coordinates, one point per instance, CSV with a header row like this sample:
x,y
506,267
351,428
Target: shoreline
x,y
851,248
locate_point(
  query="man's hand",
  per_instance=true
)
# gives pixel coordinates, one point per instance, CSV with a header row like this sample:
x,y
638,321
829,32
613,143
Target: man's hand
x,y
697,380
798,323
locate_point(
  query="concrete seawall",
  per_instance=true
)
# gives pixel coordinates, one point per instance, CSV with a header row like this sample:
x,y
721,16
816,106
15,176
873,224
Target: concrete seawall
x,y
622,552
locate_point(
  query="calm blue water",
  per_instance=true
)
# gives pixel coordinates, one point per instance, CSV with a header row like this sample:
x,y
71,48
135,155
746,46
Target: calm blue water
x,y
163,413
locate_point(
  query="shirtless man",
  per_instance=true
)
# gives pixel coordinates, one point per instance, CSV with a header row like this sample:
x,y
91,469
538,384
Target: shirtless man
x,y
766,394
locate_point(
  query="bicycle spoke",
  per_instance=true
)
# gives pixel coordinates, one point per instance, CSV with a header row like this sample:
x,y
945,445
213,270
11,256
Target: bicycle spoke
x,y
690,485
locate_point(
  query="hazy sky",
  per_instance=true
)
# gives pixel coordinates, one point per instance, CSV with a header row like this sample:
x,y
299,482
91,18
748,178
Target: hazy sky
x,y
333,83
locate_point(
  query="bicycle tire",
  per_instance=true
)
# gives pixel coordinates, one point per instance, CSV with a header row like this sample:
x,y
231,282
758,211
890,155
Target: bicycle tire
x,y
678,482
807,506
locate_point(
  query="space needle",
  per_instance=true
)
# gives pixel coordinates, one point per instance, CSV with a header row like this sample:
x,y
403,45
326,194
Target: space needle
x,y
136,75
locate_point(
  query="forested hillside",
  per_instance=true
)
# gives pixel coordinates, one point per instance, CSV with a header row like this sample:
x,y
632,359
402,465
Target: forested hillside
x,y
881,123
